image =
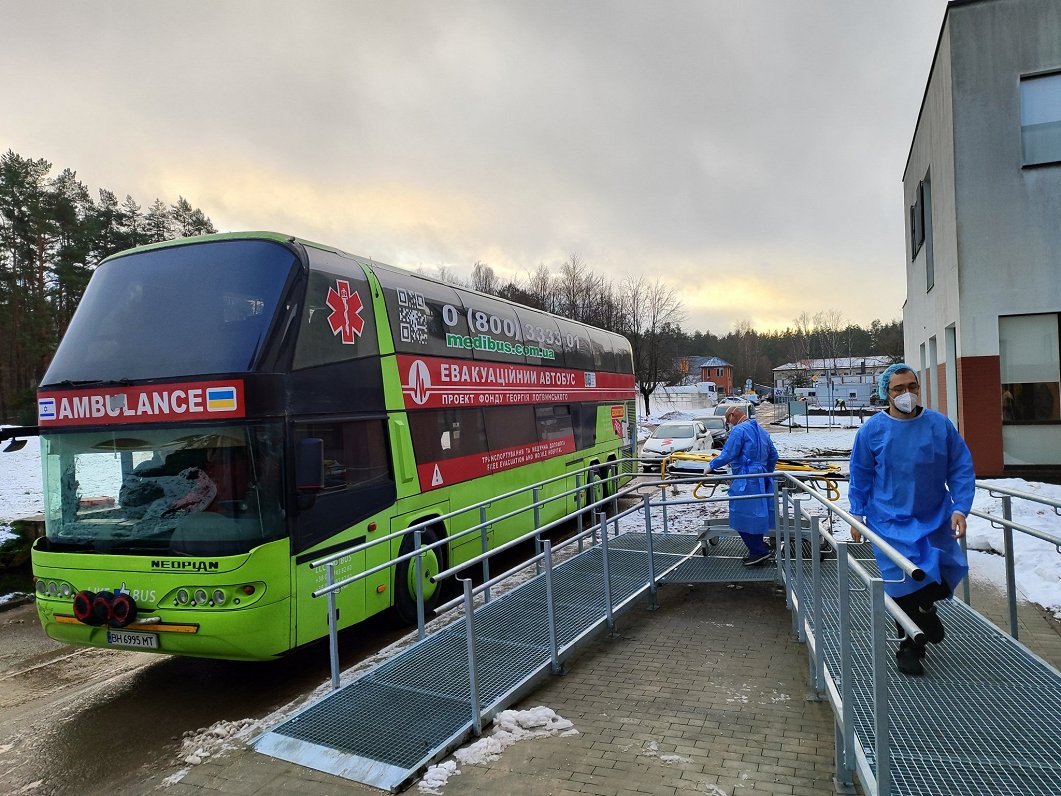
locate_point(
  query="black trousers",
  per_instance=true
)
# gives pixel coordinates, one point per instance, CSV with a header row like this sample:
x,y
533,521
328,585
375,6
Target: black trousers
x,y
921,600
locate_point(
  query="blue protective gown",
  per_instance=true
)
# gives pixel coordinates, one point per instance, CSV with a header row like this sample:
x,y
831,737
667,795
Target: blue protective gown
x,y
749,450
907,478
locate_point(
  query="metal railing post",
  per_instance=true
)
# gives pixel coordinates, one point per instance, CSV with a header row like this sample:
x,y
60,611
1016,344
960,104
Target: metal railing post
x,y
879,629
818,658
845,757
420,630
550,607
578,505
797,555
485,535
783,545
473,661
1011,582
966,595
666,525
653,595
536,493
333,627
602,519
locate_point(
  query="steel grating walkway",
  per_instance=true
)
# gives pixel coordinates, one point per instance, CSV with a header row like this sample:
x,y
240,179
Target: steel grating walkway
x,y
722,564
984,719
383,727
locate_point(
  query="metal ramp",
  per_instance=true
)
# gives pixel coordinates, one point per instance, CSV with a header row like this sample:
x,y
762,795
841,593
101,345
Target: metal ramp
x,y
984,719
383,727
719,561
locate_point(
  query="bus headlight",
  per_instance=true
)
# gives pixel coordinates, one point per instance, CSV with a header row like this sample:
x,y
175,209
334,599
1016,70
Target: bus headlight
x,y
200,596
182,596
219,597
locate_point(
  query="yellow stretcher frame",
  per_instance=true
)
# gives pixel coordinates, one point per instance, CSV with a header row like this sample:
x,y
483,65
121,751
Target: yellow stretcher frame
x,y
822,480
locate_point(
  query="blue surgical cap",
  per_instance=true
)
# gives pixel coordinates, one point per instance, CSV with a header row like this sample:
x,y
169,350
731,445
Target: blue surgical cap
x,y
886,376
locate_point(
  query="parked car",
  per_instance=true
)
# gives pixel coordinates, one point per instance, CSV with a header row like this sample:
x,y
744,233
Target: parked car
x,y
725,405
673,436
719,429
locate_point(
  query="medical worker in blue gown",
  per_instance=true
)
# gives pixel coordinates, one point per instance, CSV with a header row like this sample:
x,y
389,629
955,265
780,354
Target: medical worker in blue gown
x,y
912,480
749,450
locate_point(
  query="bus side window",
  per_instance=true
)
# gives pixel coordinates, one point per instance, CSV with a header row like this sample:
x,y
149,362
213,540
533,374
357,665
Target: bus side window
x,y
584,421
440,434
358,477
355,452
554,422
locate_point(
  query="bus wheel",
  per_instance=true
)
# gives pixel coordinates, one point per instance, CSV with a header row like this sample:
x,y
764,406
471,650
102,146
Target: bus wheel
x,y
405,578
611,483
595,490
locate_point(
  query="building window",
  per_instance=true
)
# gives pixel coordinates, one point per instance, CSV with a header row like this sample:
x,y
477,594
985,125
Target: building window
x,y
1040,118
1030,362
921,229
917,222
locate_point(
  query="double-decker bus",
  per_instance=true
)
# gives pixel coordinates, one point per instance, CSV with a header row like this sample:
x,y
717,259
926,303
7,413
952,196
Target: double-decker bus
x,y
224,410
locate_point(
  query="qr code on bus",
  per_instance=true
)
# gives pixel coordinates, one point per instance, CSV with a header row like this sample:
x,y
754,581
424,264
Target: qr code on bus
x,y
412,317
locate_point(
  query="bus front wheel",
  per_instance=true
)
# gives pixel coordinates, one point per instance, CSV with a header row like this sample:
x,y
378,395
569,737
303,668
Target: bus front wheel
x,y
405,587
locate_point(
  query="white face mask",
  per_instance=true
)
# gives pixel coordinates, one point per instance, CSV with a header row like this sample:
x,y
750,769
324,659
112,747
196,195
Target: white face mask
x,y
905,403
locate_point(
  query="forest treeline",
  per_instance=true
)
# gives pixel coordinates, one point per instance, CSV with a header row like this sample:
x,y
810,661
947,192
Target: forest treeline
x,y
650,315
53,234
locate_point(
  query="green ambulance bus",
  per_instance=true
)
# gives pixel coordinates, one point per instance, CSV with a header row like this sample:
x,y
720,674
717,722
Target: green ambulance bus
x,y
224,410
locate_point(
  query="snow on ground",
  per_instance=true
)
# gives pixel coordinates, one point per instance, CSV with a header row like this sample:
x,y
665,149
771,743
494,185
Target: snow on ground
x,y
20,482
1038,571
509,727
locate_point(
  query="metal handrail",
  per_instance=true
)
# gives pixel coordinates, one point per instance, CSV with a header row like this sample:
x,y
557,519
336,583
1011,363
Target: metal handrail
x,y
793,504
424,524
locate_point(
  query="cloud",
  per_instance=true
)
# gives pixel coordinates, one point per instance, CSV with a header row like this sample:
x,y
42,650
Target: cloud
x,y
688,140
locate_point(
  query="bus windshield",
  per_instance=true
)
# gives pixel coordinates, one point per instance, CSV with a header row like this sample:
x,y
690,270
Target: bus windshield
x,y
184,311
202,491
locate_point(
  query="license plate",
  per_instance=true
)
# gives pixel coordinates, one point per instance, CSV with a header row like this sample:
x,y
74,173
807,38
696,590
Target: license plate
x,y
127,638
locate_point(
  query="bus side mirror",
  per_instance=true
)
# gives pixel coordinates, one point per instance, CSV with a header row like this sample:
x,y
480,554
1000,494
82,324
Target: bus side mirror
x,y
309,471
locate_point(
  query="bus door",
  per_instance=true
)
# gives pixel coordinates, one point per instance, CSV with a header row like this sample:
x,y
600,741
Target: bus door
x,y
353,507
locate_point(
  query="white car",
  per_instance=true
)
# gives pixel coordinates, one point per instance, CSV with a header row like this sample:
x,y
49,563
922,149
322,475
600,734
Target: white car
x,y
673,436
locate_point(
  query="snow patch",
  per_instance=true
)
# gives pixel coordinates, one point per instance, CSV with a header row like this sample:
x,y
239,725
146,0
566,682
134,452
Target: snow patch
x,y
199,745
509,727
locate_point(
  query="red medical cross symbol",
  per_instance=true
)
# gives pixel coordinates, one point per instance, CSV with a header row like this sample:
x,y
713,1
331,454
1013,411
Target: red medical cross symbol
x,y
346,311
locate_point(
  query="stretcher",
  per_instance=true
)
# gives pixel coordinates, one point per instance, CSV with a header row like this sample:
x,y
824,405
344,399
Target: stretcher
x,y
820,476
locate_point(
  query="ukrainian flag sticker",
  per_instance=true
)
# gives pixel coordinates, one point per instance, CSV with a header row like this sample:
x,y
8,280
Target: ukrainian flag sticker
x,y
221,399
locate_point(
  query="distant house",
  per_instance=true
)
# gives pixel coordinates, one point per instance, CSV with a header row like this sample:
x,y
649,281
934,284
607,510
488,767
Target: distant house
x,y
697,370
850,379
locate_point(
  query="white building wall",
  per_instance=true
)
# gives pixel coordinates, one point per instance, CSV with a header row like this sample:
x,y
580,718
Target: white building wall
x,y
1010,217
927,312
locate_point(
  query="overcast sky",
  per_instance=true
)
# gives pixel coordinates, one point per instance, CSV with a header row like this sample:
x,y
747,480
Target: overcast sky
x,y
748,152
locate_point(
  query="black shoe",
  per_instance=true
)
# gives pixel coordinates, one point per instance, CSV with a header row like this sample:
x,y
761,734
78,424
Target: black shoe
x,y
928,620
756,561
908,659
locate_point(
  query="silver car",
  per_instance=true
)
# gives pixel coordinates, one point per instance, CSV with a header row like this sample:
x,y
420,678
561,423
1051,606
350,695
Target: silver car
x,y
673,436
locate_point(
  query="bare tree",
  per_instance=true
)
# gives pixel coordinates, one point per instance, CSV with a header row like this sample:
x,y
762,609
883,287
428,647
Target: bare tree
x,y
651,313
749,352
829,326
484,279
540,288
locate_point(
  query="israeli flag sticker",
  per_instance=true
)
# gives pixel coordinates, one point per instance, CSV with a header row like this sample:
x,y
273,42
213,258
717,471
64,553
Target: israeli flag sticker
x,y
46,409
